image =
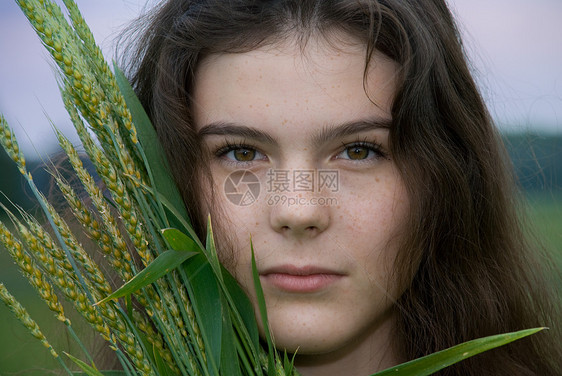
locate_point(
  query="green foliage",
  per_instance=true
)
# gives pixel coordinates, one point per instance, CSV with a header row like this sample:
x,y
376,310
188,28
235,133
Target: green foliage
x,y
89,370
430,364
263,314
153,155
162,265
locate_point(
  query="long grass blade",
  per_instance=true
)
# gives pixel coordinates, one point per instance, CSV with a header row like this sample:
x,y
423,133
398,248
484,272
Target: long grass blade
x,y
230,364
153,153
89,370
179,241
161,266
263,313
430,364
243,307
206,301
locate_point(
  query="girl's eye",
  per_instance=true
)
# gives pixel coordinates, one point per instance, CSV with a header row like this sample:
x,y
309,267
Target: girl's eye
x,y
240,153
243,155
357,152
361,151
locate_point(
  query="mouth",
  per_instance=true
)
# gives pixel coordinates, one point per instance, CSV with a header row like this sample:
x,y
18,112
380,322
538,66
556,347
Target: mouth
x,y
293,279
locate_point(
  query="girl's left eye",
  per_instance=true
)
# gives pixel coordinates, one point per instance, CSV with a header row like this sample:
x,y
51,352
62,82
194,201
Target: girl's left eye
x,y
361,151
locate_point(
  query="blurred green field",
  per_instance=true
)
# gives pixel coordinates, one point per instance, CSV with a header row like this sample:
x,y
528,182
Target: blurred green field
x,y
545,211
21,354
545,214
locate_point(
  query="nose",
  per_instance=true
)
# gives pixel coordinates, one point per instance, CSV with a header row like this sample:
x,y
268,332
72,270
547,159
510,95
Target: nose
x,y
299,215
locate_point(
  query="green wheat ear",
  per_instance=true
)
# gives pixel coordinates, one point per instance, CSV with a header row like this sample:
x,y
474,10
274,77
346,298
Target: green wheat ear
x,y
29,268
10,145
23,316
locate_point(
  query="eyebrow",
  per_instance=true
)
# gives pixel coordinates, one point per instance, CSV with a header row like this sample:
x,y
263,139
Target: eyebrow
x,y
336,131
327,133
232,129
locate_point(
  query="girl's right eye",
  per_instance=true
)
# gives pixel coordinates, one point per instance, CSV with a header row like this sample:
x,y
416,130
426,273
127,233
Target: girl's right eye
x,y
239,153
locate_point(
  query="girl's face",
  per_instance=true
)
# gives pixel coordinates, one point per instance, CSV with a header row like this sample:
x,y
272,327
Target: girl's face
x,y
319,195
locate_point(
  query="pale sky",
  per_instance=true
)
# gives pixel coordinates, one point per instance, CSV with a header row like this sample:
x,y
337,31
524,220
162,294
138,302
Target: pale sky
x,y
515,47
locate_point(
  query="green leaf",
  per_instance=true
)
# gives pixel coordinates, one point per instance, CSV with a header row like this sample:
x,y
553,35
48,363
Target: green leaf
x,y
288,364
432,363
263,312
161,266
157,164
230,364
89,370
178,240
242,320
240,330
212,255
245,310
206,300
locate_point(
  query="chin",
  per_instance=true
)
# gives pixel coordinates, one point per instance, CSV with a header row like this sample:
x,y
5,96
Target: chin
x,y
309,345
318,332
310,336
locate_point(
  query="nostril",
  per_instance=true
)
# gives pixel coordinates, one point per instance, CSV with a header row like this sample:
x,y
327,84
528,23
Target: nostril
x,y
302,221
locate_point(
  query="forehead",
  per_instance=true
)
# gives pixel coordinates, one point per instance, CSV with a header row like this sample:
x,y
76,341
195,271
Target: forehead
x,y
315,83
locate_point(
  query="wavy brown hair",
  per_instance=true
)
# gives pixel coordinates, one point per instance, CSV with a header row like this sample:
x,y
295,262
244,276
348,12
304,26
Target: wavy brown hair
x,y
468,268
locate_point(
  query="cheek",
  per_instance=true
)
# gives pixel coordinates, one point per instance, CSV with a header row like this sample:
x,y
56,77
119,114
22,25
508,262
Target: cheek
x,y
377,209
373,222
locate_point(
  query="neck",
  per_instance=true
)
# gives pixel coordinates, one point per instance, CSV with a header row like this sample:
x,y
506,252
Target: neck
x,y
372,352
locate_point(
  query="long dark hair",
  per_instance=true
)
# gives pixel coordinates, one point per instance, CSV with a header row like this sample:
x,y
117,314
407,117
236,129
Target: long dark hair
x,y
468,269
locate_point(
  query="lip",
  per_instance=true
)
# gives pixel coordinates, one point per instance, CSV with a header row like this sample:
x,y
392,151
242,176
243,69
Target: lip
x,y
294,279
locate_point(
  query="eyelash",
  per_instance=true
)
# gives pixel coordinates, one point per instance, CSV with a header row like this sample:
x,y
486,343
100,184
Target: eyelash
x,y
232,146
375,147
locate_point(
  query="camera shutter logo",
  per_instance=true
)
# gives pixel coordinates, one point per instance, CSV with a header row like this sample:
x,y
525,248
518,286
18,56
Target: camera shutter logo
x,y
242,187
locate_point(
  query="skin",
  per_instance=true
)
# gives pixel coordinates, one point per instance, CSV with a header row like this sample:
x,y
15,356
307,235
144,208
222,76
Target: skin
x,y
326,270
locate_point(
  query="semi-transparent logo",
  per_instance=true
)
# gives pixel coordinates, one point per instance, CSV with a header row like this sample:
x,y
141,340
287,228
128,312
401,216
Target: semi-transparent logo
x,y
282,187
